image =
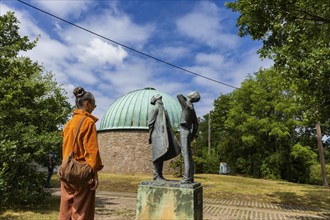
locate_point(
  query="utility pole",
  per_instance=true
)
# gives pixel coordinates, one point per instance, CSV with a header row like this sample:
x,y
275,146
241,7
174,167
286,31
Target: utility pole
x,y
209,135
321,154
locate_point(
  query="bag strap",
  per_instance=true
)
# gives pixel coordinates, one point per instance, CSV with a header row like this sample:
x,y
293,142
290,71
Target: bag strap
x,y
76,135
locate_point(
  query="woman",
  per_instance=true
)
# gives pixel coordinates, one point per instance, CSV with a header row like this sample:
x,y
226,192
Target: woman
x,y
78,202
164,143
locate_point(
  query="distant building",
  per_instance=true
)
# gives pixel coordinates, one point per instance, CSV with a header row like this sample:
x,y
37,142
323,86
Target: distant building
x,y
223,168
123,132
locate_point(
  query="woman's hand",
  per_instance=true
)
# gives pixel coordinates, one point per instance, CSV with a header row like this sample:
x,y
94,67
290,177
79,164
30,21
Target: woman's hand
x,y
95,182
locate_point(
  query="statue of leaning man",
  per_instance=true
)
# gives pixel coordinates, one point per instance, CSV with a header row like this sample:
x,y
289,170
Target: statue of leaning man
x,y
161,136
188,132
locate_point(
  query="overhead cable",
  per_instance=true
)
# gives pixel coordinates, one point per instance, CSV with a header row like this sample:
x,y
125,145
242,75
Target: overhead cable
x,y
127,47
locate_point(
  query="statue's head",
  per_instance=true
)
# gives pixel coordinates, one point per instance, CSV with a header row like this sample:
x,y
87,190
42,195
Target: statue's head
x,y
194,96
155,98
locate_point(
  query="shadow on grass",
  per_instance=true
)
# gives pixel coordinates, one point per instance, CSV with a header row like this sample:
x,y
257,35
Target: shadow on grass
x,y
312,200
103,206
49,209
104,202
118,186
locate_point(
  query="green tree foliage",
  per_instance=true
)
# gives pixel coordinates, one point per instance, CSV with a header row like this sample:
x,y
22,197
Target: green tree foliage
x,y
32,109
199,145
315,176
295,34
204,162
259,129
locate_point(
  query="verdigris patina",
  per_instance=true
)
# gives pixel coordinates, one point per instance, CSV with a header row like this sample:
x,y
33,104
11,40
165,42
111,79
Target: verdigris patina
x,y
164,143
169,200
188,132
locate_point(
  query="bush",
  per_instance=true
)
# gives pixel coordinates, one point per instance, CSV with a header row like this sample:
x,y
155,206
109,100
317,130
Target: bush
x,y
315,175
21,185
302,158
271,166
209,164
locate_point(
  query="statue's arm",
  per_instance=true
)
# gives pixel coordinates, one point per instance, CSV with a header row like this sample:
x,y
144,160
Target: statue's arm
x,y
182,101
194,125
151,122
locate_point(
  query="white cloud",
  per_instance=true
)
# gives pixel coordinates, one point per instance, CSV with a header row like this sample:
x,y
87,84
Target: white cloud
x,y
249,64
172,52
99,52
228,70
49,52
203,106
134,75
116,27
204,25
64,8
78,74
215,60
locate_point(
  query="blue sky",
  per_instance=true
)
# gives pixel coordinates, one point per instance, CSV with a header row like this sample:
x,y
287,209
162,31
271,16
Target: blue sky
x,y
200,36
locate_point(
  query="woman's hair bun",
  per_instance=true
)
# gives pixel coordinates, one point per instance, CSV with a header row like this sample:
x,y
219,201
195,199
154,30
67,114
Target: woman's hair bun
x,y
79,92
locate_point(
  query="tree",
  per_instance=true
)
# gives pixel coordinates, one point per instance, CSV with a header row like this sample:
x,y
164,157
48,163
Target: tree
x,y
295,34
33,107
218,129
258,126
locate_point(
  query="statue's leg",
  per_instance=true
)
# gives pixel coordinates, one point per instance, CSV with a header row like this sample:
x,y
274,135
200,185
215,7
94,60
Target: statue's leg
x,y
188,163
158,169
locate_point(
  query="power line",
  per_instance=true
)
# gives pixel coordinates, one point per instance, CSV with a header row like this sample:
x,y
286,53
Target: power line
x,y
127,47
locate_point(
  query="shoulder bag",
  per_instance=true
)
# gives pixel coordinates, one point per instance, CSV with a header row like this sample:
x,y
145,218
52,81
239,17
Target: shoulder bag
x,y
72,171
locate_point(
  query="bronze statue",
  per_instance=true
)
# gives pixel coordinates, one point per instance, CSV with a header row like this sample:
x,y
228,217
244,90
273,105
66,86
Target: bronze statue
x,y
188,132
164,143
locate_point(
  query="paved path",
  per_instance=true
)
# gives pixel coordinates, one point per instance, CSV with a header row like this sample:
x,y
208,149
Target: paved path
x,y
121,206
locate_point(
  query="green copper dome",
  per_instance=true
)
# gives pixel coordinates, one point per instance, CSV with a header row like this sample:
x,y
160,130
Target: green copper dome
x,y
131,110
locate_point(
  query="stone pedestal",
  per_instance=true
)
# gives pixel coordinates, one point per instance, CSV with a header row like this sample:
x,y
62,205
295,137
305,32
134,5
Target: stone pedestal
x,y
169,200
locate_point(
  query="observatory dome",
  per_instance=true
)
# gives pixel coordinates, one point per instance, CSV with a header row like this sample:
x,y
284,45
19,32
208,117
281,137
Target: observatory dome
x,y
131,110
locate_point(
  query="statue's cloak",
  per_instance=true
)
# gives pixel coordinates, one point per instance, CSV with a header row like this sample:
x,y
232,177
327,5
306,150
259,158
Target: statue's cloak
x,y
161,135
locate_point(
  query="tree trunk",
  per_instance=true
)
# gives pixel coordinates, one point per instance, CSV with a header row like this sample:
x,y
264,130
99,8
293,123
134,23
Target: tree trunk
x,y
321,154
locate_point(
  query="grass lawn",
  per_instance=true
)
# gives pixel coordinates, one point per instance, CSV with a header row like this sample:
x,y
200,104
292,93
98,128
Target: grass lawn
x,y
215,186
47,210
235,188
